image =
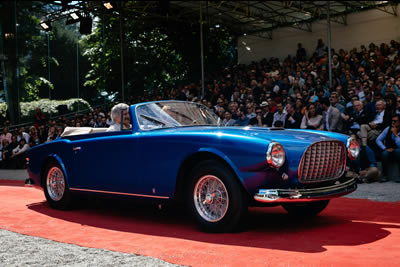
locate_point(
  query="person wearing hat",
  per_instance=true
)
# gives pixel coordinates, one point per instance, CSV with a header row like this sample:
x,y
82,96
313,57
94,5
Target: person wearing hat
x,y
267,115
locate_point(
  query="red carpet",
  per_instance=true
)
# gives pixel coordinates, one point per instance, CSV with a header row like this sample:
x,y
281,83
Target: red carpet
x,y
12,182
350,232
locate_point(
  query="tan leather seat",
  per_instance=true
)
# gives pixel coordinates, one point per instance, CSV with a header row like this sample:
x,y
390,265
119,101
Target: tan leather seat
x,y
68,131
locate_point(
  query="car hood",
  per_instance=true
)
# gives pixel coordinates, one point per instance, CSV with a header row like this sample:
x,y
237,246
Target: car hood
x,y
238,142
300,137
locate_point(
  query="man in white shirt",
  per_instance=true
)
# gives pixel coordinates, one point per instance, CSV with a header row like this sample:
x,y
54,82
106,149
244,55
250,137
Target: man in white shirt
x,y
228,121
23,134
20,149
17,159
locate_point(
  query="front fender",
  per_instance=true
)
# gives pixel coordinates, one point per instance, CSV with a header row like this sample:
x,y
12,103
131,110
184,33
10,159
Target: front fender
x,y
226,159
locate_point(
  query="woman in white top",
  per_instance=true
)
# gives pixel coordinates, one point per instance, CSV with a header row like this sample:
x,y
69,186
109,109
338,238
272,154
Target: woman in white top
x,y
18,155
312,120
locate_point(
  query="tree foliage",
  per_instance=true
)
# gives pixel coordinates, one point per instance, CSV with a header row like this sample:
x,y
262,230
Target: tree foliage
x,y
158,54
32,54
150,59
48,62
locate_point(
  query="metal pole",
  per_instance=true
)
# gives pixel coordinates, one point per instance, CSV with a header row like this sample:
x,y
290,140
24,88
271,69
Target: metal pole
x,y
122,53
48,59
77,68
104,65
3,58
3,69
329,47
201,51
17,60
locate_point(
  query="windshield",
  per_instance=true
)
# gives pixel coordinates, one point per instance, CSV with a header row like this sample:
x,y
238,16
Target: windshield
x,y
174,114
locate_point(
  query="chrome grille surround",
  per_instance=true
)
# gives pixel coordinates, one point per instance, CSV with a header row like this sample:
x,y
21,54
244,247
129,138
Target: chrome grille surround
x,y
322,161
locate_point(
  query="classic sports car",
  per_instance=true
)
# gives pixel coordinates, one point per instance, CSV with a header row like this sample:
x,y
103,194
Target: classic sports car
x,y
178,150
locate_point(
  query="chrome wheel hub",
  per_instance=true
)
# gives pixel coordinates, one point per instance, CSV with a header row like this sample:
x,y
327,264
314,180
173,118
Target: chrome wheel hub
x,y
211,198
55,183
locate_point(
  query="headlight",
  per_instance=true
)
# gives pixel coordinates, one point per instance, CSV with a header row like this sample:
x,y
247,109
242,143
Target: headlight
x,y
353,148
275,155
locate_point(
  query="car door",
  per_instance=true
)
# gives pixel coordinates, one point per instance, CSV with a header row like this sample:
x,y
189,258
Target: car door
x,y
106,162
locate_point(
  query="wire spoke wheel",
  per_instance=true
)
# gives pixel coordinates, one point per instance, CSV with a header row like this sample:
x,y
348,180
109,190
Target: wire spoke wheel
x,y
211,198
216,199
55,183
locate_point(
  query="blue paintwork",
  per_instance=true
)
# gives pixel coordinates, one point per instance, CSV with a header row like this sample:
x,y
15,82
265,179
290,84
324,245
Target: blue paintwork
x,y
148,162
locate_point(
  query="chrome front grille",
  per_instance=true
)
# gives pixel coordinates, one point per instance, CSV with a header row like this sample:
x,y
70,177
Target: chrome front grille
x,y
323,161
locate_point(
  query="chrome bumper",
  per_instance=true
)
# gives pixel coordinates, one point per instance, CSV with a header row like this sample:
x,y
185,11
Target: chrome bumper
x,y
305,195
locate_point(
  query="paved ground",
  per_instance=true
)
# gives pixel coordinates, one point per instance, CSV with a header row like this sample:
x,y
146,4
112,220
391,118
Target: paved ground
x,y
18,175
22,250
387,192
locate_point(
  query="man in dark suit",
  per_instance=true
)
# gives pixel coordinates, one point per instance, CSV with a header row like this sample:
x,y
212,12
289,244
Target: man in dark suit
x,y
359,117
293,118
332,119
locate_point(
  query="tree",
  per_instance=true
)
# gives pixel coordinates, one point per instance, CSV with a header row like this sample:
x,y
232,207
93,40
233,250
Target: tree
x,y
158,53
48,61
151,61
32,54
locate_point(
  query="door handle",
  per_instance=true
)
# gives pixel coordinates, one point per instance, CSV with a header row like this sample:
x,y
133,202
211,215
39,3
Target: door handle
x,y
77,148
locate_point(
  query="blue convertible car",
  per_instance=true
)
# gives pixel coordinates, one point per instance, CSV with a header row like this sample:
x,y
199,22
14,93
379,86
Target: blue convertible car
x,y
178,150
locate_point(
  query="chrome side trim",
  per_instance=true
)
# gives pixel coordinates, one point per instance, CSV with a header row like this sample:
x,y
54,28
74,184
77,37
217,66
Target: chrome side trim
x,y
116,193
305,195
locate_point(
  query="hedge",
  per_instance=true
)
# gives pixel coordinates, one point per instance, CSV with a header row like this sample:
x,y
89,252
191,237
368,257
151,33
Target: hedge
x,y
48,107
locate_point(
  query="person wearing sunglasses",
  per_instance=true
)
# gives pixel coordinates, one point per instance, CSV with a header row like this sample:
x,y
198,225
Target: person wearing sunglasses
x,y
389,142
116,117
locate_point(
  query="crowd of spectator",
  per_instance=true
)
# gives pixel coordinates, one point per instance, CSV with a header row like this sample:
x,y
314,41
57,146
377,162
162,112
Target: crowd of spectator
x,y
293,94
